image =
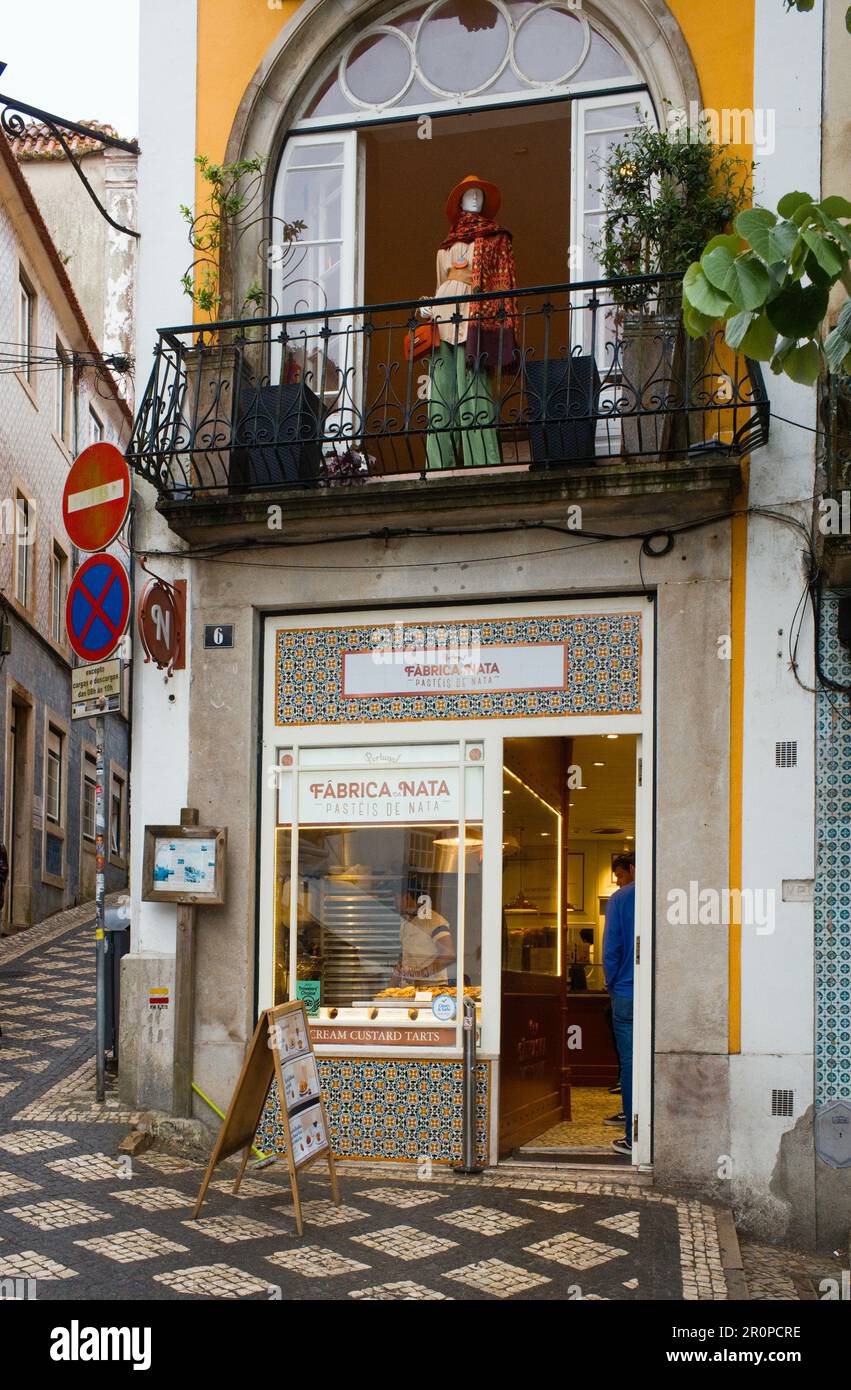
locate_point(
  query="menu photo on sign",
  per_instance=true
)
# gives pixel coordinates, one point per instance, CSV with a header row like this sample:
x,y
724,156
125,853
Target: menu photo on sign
x,y
301,1081
184,864
291,1036
307,1134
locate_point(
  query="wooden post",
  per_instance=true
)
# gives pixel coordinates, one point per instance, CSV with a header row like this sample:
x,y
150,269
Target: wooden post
x,y
184,997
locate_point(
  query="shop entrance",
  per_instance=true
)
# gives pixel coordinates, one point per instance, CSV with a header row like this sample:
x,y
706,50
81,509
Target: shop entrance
x,y
569,812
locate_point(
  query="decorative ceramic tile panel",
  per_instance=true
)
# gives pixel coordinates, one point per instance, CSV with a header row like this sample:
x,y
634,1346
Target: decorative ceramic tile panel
x,y
593,666
390,1108
833,870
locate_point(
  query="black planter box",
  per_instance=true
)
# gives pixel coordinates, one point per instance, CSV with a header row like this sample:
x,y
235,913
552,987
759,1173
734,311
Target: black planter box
x,y
562,395
277,437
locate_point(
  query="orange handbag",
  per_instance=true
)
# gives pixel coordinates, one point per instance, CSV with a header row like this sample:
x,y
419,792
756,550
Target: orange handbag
x,y
424,339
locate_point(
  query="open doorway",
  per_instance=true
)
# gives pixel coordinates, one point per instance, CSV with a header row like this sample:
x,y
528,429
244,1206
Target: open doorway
x,y
407,180
569,821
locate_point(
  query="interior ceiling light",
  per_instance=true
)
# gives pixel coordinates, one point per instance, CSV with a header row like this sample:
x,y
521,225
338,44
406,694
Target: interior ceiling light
x,y
599,764
452,842
611,735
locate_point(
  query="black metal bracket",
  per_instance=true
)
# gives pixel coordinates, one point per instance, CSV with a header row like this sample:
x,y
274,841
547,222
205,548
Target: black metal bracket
x,y
13,124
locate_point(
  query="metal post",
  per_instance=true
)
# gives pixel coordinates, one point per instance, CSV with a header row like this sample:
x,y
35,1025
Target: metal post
x,y
468,1092
184,996
100,916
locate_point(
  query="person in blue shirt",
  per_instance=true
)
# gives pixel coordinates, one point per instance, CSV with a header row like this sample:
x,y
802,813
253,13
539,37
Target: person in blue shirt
x,y
618,958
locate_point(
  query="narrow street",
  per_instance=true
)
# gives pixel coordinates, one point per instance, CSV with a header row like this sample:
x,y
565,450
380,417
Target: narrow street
x,y
85,1223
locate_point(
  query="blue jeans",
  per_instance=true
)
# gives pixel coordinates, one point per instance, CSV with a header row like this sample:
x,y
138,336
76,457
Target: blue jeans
x,y
622,1022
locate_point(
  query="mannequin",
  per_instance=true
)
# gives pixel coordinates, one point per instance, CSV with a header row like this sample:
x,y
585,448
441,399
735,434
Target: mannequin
x,y
478,339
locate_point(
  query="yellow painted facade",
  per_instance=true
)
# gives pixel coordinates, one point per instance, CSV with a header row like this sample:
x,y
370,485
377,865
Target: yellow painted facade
x,y
233,38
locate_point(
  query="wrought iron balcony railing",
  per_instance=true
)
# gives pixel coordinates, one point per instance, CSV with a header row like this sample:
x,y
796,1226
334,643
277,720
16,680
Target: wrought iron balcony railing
x,y
552,376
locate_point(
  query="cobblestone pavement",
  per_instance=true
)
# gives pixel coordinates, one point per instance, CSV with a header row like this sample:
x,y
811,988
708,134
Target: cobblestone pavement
x,y
86,1223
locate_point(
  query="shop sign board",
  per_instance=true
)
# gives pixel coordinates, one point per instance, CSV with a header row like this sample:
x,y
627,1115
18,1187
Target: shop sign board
x,y
376,794
184,864
96,689
340,1035
96,496
405,795
310,991
282,1051
161,618
523,666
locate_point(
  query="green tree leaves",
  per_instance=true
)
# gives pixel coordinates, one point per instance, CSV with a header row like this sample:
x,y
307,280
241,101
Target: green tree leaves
x,y
774,277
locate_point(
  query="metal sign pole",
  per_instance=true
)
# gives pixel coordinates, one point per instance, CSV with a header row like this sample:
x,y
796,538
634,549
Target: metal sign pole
x,y
100,916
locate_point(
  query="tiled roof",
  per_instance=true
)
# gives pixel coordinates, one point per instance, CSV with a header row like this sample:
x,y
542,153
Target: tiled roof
x,y
38,143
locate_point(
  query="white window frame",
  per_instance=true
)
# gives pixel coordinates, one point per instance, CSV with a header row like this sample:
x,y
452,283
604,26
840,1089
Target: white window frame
x,y
24,551
62,393
580,174
117,851
350,289
27,304
89,778
58,591
96,430
55,729
54,756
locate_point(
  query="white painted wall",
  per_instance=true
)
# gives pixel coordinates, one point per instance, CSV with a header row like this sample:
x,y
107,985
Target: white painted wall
x,y
778,833
168,66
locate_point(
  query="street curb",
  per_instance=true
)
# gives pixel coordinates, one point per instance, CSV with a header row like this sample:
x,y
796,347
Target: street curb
x,y
731,1257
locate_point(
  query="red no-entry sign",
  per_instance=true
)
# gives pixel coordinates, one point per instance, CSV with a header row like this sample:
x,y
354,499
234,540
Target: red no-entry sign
x,y
97,607
96,496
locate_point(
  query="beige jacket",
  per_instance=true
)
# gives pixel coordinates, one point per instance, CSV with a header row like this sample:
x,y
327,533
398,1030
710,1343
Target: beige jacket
x,y
454,276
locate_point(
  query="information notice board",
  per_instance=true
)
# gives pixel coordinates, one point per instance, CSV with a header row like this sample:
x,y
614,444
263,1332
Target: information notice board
x,y
280,1050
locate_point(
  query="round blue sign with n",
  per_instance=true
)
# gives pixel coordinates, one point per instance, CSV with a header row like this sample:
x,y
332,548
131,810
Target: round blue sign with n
x,y
97,607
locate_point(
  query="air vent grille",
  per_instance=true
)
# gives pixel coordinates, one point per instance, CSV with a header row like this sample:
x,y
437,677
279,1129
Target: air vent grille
x,y
786,754
783,1104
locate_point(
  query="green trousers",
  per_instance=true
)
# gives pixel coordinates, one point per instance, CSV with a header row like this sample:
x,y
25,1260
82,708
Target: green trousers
x,y
462,408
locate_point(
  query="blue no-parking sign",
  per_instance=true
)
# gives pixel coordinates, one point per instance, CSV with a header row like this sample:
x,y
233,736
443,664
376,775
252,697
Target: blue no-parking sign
x,y
97,607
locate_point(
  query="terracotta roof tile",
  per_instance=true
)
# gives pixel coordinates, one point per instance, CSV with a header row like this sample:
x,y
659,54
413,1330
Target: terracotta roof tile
x,y
38,143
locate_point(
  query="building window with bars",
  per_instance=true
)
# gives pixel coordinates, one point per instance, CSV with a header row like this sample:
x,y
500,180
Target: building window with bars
x,y
54,779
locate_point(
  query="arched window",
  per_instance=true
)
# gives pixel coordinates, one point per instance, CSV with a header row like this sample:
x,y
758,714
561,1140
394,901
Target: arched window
x,y
527,94
427,58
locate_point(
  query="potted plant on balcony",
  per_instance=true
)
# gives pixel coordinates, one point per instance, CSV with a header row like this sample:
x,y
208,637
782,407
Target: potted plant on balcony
x,y
665,194
225,395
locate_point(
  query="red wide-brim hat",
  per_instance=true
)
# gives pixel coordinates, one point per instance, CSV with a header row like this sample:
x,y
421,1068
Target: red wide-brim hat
x,y
493,197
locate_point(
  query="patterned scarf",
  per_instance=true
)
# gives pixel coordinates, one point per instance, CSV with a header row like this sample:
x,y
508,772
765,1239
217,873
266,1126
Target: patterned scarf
x,y
493,269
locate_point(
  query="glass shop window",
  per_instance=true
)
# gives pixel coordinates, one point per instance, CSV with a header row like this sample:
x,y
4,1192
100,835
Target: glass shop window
x,y
382,911
532,877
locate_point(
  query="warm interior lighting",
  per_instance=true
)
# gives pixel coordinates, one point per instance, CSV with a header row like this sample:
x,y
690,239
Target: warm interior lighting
x,y
559,856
